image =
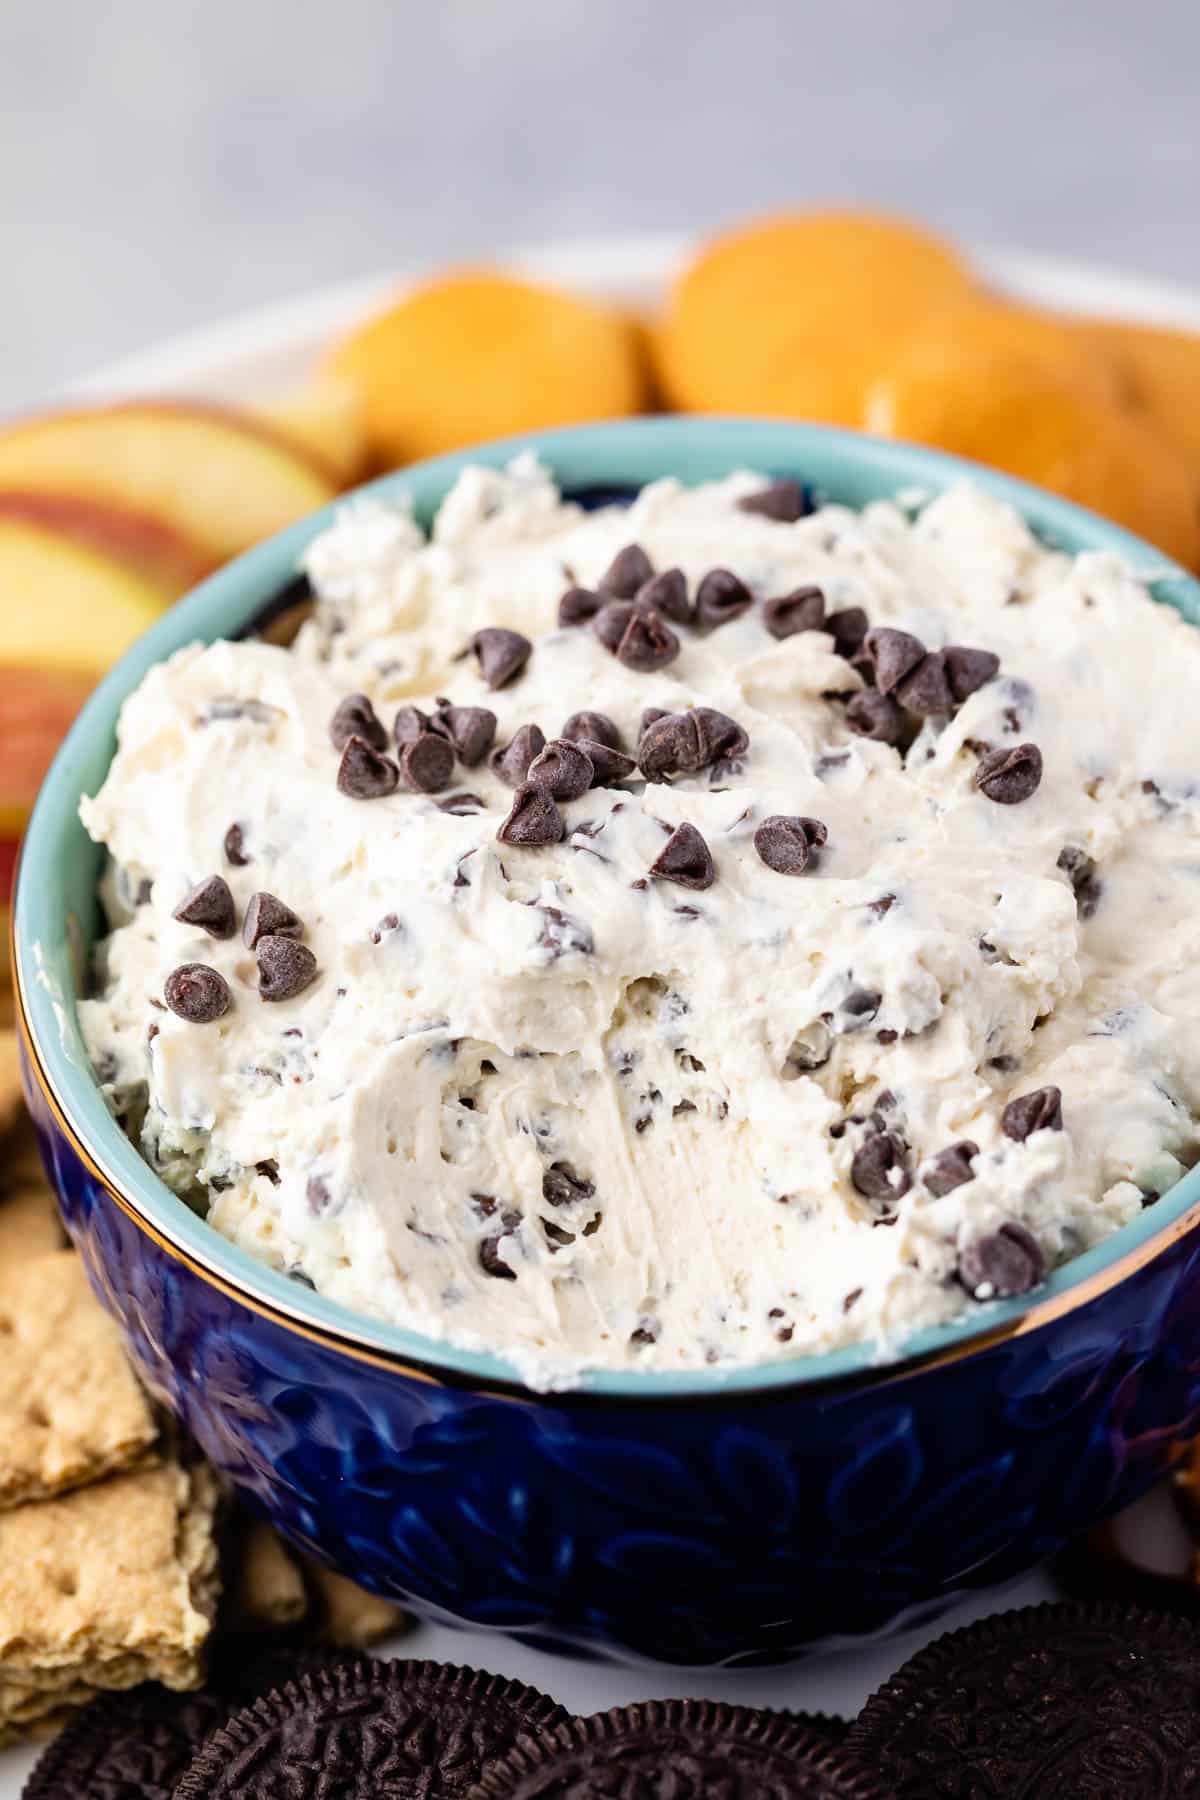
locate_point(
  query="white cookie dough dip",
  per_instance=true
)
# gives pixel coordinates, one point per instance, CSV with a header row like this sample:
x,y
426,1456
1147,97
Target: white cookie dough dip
x,y
691,933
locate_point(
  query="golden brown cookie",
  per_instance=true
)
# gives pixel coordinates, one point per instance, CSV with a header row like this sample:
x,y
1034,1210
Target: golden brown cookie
x,y
984,324
1164,373
477,355
1017,417
794,315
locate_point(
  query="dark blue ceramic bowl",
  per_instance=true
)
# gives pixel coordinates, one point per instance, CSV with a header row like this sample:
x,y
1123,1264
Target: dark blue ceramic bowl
x,y
701,1518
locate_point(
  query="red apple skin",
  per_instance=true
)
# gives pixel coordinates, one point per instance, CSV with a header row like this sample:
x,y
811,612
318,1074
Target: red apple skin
x,y
141,540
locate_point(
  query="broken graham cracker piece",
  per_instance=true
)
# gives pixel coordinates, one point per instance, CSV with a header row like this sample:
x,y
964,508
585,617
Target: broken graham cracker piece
x,y
266,1590
347,1616
71,1409
104,1588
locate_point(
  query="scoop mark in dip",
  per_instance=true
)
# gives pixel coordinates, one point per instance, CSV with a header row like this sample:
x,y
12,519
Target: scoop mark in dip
x,y
363,774
512,762
629,570
267,916
801,610
1003,1263
1040,1110
197,993
285,968
356,717
533,821
1010,776
785,843
784,501
209,906
685,859
501,654
564,769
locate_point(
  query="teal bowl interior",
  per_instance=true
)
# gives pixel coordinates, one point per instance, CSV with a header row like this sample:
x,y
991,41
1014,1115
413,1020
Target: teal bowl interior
x,y
57,915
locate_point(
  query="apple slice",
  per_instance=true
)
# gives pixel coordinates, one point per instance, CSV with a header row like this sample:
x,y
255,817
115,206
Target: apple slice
x,y
36,707
66,606
222,480
326,418
149,546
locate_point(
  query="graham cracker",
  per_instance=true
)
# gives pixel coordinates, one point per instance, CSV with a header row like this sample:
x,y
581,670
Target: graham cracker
x,y
71,1409
266,1590
12,1102
347,1615
29,1226
106,1587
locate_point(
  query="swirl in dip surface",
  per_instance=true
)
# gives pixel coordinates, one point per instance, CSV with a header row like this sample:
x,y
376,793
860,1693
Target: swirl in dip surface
x,y
637,1096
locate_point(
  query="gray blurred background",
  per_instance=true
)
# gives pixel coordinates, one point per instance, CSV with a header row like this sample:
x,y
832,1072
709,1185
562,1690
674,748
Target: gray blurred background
x,y
165,162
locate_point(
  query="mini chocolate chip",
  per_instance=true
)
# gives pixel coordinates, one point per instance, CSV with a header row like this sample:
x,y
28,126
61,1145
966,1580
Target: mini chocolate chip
x,y
501,653
363,774
648,644
608,766
861,1005
561,1186
925,690
875,716
682,743
534,819
1085,883
563,769
461,804
356,717
847,627
210,906
235,847
316,1192
595,727
197,993
427,764
1001,1263
1040,1110
950,1168
612,622
1010,776
268,1168
967,669
685,859
490,1259
721,597
784,842
268,917
511,762
801,610
882,906
409,724
629,570
667,594
878,1171
784,501
470,730
578,605
285,967
893,654
561,932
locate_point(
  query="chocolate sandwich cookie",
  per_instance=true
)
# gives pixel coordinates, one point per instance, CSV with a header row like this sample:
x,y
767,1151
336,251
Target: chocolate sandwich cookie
x,y
1097,1702
135,1745
357,1730
681,1750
